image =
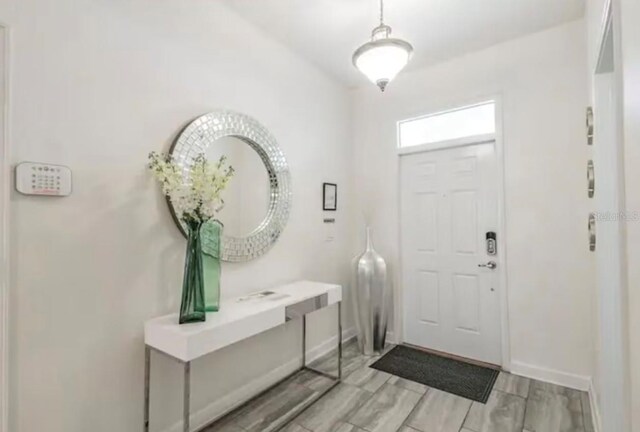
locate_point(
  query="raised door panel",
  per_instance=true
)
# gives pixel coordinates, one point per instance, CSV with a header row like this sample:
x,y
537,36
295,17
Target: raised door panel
x,y
426,222
464,222
428,290
466,304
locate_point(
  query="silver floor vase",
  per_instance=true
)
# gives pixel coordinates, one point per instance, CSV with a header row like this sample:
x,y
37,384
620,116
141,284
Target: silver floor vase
x,y
372,295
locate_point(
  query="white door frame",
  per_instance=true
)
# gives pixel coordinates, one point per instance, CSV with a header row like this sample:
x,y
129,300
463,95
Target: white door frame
x,y
5,170
498,141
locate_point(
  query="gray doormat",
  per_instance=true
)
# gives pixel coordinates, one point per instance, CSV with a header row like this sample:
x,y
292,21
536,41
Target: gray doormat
x,y
446,374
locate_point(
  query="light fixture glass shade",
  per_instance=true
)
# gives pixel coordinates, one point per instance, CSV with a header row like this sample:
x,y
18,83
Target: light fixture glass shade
x,y
382,58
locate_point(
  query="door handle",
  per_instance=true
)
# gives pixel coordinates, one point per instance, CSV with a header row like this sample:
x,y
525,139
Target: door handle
x,y
490,265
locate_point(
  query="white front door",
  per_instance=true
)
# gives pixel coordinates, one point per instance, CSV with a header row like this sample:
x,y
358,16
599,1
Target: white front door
x,y
449,203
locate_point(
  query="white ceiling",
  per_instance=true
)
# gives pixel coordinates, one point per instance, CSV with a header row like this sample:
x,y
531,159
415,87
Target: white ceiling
x,y
326,32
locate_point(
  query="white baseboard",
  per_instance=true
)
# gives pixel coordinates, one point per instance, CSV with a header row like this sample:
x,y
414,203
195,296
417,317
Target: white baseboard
x,y
577,382
595,408
231,401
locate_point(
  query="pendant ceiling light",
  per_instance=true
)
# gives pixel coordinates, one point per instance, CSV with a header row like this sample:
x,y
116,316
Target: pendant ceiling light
x,y
383,57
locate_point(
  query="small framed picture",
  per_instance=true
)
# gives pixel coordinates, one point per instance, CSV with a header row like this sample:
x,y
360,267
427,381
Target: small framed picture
x,y
329,196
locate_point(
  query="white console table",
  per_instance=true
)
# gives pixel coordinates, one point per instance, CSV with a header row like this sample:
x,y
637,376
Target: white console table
x,y
238,319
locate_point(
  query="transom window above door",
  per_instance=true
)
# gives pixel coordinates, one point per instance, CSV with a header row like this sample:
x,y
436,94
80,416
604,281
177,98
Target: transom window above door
x,y
468,121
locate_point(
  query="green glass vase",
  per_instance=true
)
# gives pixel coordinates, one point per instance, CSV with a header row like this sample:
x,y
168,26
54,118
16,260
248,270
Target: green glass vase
x,y
211,233
192,308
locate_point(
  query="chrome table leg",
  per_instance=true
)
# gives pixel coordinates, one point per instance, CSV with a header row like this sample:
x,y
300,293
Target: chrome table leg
x,y
340,341
304,340
147,376
187,395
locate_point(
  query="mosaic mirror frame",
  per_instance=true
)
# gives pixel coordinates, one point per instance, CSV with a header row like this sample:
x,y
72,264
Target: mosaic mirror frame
x,y
203,132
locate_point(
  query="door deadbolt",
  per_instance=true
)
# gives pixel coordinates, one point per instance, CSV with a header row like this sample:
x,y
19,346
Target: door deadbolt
x,y
492,245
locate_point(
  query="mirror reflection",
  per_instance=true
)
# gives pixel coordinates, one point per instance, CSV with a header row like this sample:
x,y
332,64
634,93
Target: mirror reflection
x,y
247,195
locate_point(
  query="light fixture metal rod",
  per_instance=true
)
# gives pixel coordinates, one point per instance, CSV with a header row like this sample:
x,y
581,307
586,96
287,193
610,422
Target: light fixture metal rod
x,y
381,12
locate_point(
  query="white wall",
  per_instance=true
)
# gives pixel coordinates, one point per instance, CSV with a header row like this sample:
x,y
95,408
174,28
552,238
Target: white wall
x,y
543,85
96,85
594,18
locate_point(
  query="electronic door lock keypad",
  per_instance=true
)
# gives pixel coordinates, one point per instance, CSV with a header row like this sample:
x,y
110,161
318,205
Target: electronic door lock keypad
x,y
492,246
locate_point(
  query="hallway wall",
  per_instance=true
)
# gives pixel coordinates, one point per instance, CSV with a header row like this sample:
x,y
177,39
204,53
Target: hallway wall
x,y
97,85
593,18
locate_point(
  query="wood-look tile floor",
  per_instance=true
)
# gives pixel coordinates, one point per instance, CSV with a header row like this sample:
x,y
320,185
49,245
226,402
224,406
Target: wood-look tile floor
x,y
368,400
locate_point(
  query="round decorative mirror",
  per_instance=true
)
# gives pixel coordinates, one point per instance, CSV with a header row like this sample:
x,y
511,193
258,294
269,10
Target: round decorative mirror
x,y
258,198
